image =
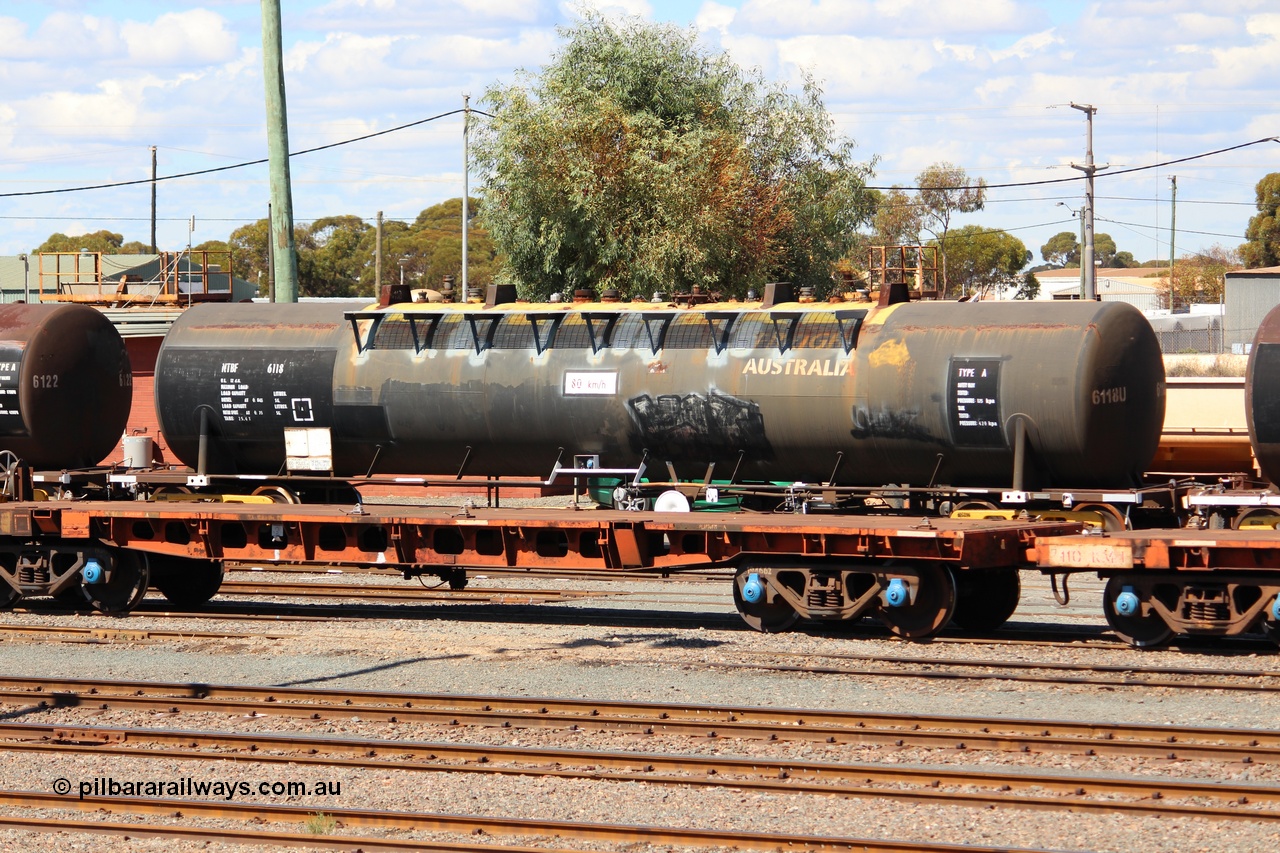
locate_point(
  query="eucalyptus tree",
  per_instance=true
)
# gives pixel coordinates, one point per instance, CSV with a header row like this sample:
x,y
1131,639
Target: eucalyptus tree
x,y
985,261
638,160
944,190
1263,231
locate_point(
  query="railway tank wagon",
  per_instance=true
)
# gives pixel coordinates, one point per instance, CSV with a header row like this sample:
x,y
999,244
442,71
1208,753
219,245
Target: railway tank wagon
x,y
1013,395
1262,396
913,393
1219,575
65,385
65,395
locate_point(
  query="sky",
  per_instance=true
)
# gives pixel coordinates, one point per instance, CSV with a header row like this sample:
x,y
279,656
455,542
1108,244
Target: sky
x,y
88,87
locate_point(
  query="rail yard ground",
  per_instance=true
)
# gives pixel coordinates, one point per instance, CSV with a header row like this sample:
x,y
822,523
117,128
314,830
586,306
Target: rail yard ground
x,y
658,641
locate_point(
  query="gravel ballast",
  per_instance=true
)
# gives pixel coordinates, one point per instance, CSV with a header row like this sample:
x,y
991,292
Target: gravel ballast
x,y
576,650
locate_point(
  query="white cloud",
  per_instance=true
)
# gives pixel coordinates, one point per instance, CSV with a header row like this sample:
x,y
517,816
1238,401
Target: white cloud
x,y
907,18
528,49
343,58
179,38
359,15
915,81
1028,46
714,16
612,8
1252,62
861,68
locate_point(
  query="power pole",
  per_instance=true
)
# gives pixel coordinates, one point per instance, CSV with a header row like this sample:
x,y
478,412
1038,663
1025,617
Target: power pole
x,y
284,249
271,261
1086,258
377,257
1173,219
466,186
153,199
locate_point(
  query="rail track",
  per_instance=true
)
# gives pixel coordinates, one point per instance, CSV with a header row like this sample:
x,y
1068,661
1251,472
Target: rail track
x,y
402,592
712,576
31,695
936,785
462,825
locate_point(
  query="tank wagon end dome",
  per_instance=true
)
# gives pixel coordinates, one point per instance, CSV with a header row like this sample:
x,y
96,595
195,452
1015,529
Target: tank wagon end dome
x,y
66,385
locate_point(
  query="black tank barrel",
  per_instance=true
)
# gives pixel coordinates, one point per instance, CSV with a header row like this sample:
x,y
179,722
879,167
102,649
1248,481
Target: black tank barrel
x,y
914,393
65,385
1262,396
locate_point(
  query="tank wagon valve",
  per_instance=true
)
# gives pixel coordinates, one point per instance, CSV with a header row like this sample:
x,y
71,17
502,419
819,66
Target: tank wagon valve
x,y
1127,603
752,590
898,593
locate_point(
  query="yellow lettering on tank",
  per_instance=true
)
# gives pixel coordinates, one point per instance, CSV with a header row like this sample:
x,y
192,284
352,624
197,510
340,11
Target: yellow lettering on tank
x,y
797,367
891,353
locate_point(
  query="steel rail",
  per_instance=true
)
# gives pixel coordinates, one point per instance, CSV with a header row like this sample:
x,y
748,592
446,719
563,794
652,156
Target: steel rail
x,y
276,840
786,724
461,611
937,673
469,824
91,634
1194,671
408,593
758,774
695,577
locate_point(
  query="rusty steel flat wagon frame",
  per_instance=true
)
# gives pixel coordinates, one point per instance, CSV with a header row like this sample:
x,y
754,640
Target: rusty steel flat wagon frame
x,y
920,572
1180,581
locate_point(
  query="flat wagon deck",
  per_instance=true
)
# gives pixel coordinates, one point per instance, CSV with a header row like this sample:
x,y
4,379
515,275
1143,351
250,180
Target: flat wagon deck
x,y
1186,581
915,573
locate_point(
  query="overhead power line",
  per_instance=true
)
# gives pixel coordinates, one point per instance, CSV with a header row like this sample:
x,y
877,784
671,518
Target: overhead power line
x,y
1160,165
238,165
429,119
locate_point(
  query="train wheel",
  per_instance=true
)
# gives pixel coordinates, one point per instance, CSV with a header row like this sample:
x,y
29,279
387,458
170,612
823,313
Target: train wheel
x,y
186,582
126,586
278,494
750,596
1108,516
1124,616
9,465
1262,518
986,599
1272,629
978,509
918,601
8,596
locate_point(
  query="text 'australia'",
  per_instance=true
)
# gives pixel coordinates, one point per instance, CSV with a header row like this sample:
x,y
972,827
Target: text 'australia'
x,y
796,367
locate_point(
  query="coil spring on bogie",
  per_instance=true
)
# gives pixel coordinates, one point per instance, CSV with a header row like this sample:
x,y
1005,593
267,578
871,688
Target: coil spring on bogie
x,y
1208,611
823,598
33,574
1207,605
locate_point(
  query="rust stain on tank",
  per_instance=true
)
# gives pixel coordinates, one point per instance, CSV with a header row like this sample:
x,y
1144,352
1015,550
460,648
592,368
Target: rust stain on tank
x,y
889,354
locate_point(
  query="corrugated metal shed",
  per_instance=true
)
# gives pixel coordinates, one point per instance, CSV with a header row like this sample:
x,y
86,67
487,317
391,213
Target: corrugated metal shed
x,y
1250,295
